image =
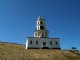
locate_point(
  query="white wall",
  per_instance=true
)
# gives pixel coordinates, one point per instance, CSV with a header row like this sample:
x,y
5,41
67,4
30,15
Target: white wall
x,y
40,42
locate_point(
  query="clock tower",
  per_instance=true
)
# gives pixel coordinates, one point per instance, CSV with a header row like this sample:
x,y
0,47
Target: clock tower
x,y
41,39
41,31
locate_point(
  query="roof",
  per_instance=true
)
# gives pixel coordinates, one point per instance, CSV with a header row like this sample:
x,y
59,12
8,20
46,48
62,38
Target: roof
x,y
40,18
44,38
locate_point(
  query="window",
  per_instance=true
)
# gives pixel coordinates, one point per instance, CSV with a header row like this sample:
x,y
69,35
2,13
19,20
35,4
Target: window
x,y
44,44
56,42
42,27
36,42
50,42
41,22
31,42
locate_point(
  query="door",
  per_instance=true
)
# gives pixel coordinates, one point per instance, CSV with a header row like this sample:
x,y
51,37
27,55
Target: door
x,y
44,44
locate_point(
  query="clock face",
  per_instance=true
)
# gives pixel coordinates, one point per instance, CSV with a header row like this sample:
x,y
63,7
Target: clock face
x,y
42,27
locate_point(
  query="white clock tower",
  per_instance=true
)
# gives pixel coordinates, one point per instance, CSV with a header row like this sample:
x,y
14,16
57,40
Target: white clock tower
x,y
41,39
41,31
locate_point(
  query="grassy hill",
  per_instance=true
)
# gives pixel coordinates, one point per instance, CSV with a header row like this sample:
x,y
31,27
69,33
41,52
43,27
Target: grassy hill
x,y
10,51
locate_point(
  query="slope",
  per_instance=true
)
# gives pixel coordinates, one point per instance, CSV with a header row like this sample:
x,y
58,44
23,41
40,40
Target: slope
x,y
9,51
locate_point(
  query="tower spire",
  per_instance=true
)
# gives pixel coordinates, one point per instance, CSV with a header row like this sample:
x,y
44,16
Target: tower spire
x,y
40,18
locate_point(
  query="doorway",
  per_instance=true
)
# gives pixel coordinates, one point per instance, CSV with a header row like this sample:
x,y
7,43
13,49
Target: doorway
x,y
44,44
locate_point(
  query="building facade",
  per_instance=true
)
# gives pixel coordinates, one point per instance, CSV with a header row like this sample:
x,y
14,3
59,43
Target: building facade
x,y
41,39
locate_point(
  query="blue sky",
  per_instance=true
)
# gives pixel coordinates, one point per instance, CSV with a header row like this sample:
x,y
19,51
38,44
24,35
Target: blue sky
x,y
18,20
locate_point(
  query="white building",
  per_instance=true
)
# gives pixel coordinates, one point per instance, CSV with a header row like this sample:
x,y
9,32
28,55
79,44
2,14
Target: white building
x,y
41,39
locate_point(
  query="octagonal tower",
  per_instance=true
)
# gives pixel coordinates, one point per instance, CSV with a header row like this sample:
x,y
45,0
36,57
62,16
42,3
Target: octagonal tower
x,y
41,31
